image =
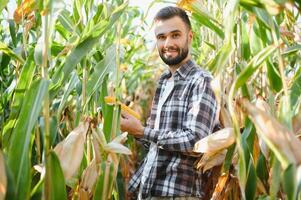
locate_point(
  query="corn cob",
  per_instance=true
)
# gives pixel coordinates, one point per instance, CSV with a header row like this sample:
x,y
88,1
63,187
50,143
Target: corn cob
x,y
112,100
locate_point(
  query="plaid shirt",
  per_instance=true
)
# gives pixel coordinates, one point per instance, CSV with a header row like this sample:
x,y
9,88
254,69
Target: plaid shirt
x,y
187,116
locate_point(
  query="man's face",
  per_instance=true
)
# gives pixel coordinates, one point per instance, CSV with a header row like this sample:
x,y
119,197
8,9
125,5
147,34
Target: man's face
x,y
173,40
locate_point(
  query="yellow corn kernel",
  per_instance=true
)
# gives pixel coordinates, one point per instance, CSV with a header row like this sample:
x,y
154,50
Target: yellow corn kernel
x,y
112,100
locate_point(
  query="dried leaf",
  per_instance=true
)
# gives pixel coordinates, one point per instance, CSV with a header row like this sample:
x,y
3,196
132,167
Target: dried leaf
x,y
222,180
264,106
225,118
3,181
88,180
70,151
120,138
114,147
216,141
282,141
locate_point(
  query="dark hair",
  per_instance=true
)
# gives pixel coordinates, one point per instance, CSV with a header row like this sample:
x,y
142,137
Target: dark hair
x,y
170,11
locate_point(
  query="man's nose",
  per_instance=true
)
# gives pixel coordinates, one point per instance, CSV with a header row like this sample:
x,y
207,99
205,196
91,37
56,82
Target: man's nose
x,y
168,42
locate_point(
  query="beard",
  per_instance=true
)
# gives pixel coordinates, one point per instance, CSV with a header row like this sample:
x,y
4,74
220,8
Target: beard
x,y
182,54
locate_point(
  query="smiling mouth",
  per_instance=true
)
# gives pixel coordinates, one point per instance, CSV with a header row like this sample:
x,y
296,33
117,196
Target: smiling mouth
x,y
170,52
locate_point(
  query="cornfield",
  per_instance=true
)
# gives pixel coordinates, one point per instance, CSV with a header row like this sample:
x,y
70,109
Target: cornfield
x,y
69,68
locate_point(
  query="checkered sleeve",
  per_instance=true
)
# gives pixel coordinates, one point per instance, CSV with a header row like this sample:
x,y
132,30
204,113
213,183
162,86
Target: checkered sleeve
x,y
198,121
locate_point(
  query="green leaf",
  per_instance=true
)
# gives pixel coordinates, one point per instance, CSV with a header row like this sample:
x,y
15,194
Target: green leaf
x,y
75,57
289,182
65,20
251,183
221,58
276,178
18,154
263,16
3,4
295,92
253,65
5,49
228,159
105,181
274,78
55,187
204,20
84,47
74,80
23,84
262,169
38,57
12,31
245,43
292,49
105,66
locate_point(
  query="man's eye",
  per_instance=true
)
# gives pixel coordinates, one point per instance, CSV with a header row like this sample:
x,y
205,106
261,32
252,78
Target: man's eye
x,y
176,35
161,37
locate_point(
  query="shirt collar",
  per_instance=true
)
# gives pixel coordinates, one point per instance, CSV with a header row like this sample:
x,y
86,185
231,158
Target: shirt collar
x,y
182,71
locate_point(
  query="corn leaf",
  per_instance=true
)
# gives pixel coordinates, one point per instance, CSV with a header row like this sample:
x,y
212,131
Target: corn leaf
x,y
292,49
5,49
24,82
251,182
105,181
3,4
295,92
253,65
74,80
108,64
204,20
54,181
219,61
85,46
275,178
289,182
18,154
274,77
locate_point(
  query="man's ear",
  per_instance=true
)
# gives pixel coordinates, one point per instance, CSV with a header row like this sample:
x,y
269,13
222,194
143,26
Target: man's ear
x,y
190,35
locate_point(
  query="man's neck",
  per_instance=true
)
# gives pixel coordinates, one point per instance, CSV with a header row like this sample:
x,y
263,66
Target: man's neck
x,y
173,68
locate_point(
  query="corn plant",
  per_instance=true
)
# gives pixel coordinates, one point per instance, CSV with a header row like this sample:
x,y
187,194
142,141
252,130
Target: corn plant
x,y
59,138
254,54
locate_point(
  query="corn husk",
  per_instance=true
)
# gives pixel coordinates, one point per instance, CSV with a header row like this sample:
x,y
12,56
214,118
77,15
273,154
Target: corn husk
x,y
88,180
112,100
3,181
70,151
209,161
115,146
215,142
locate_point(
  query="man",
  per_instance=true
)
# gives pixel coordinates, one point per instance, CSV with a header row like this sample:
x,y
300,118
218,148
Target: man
x,y
183,112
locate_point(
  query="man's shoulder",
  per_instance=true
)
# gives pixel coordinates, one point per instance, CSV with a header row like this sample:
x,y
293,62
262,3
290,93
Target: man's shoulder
x,y
200,73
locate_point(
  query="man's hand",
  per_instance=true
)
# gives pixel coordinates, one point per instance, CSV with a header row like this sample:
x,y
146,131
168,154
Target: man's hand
x,y
130,124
